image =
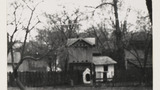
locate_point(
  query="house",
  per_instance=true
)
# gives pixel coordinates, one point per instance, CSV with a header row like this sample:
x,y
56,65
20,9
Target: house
x,y
17,56
34,66
27,65
135,52
81,51
135,66
104,68
138,56
131,59
80,56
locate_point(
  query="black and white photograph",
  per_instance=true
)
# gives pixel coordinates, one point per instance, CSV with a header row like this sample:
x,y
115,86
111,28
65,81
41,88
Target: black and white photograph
x,y
79,44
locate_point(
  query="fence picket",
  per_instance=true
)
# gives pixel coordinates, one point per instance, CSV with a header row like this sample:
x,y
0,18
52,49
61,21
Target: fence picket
x,y
36,79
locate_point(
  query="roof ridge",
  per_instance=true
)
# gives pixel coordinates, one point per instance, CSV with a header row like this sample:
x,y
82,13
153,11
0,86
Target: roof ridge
x,y
73,40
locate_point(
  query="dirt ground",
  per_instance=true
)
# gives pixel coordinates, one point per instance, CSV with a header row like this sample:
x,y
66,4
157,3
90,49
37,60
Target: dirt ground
x,y
83,88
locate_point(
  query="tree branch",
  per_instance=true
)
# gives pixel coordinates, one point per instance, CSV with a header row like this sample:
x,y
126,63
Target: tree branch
x,y
104,4
137,57
27,5
34,26
98,37
36,59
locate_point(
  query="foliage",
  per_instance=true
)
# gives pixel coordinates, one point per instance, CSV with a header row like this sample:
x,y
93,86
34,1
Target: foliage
x,y
60,27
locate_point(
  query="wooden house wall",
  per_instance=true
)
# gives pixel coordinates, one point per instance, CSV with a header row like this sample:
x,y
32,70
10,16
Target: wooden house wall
x,y
30,65
24,66
110,73
99,69
9,68
77,54
37,65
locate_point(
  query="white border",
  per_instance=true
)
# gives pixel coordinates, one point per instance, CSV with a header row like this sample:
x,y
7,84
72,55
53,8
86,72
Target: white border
x,y
3,46
156,45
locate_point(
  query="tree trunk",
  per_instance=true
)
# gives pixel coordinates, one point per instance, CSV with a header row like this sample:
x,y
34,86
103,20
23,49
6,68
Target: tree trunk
x,y
120,50
143,76
149,7
20,85
16,79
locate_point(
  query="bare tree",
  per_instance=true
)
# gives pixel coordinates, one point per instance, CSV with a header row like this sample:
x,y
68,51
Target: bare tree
x,y
117,31
101,32
140,40
20,24
49,40
61,26
67,23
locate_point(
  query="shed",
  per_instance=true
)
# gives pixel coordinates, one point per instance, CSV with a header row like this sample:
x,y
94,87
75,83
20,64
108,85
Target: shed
x,y
104,68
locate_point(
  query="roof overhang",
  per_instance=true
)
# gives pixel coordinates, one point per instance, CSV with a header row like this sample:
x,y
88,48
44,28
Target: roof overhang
x,y
103,60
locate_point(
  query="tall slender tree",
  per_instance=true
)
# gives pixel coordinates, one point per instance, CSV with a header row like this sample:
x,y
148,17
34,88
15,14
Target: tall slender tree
x,y
117,33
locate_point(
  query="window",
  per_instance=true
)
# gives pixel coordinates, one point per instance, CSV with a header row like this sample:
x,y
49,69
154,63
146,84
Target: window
x,y
105,67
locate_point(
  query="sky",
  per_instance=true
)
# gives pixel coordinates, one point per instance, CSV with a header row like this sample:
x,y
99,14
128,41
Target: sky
x,y
54,6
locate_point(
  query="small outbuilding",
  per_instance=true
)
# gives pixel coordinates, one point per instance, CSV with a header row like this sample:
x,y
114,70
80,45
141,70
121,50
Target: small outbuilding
x,y
81,58
104,68
80,52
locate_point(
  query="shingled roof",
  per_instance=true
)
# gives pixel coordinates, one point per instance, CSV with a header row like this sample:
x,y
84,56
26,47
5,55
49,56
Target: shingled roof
x,y
103,60
90,41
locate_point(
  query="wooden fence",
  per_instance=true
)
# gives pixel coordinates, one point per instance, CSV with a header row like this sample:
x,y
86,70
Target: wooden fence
x,y
45,78
132,77
38,79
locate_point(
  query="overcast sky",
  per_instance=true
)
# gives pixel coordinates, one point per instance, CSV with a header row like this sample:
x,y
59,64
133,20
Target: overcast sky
x,y
54,6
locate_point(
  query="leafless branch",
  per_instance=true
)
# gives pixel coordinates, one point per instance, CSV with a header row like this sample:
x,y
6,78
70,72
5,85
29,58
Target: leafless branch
x,y
35,59
30,19
98,37
34,26
89,7
38,4
104,4
30,58
20,18
136,56
27,5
